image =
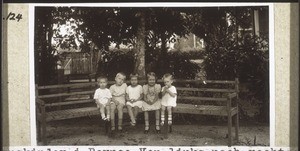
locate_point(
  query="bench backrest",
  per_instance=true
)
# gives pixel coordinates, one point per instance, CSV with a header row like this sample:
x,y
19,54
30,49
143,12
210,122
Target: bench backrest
x,y
189,91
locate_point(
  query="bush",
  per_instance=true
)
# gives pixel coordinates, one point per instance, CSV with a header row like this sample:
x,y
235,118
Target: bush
x,y
116,61
248,61
176,63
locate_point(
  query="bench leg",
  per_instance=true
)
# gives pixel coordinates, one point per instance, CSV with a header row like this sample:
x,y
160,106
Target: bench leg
x,y
236,121
43,127
229,130
38,127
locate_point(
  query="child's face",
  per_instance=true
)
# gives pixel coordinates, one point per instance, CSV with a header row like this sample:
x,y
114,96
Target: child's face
x,y
151,81
102,83
168,81
120,80
134,81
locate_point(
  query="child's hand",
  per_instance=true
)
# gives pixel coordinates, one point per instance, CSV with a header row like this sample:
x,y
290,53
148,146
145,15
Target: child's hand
x,y
148,102
151,102
168,90
114,101
164,89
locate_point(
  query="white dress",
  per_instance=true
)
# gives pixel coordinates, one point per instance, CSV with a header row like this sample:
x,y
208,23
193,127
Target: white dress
x,y
134,93
167,99
150,93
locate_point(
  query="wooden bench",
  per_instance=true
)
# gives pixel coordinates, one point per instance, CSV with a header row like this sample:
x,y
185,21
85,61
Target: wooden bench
x,y
218,98
67,101
64,101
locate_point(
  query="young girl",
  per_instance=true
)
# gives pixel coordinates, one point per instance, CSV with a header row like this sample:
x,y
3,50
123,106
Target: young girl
x,y
134,96
102,98
118,100
151,101
169,97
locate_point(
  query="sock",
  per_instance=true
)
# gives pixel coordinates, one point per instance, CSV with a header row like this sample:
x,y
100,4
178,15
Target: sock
x,y
170,119
162,118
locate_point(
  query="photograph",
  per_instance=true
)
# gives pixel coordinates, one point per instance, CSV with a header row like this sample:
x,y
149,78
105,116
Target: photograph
x,y
152,76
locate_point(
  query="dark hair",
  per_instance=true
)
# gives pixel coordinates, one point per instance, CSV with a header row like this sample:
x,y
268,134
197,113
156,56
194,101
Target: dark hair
x,y
134,75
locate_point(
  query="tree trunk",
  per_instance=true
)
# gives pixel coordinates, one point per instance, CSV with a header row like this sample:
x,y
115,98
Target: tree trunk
x,y
163,55
140,47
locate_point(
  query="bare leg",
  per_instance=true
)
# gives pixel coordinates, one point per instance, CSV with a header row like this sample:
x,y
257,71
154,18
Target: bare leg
x,y
107,107
131,115
112,114
163,108
120,116
135,112
157,120
146,116
102,111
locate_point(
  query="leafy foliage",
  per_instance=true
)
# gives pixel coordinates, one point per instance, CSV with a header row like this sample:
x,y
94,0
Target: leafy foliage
x,y
178,63
231,52
116,61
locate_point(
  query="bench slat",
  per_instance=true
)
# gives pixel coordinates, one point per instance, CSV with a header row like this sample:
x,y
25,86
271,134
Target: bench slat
x,y
71,113
207,81
180,108
65,94
200,98
205,89
141,81
203,109
67,85
69,103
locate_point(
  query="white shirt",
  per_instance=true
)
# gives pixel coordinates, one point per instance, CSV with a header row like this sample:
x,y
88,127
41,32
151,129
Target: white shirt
x,y
102,94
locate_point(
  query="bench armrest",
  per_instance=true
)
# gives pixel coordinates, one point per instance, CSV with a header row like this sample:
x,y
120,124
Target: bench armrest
x,y
40,102
232,95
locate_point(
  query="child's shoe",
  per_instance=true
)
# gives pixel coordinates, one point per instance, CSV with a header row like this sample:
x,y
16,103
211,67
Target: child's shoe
x,y
169,122
157,128
146,130
108,118
120,128
132,123
113,128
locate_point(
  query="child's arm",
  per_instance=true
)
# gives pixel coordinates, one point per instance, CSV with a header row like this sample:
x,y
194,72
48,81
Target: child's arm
x,y
140,98
159,89
172,94
164,90
109,100
127,97
97,101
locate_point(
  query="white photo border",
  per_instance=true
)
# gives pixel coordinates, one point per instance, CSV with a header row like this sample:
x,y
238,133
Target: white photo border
x,y
157,4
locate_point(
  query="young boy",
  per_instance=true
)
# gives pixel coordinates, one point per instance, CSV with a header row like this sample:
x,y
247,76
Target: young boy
x,y
134,95
118,100
102,98
169,98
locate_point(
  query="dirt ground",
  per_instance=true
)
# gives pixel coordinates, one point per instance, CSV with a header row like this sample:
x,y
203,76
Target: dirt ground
x,y
90,131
